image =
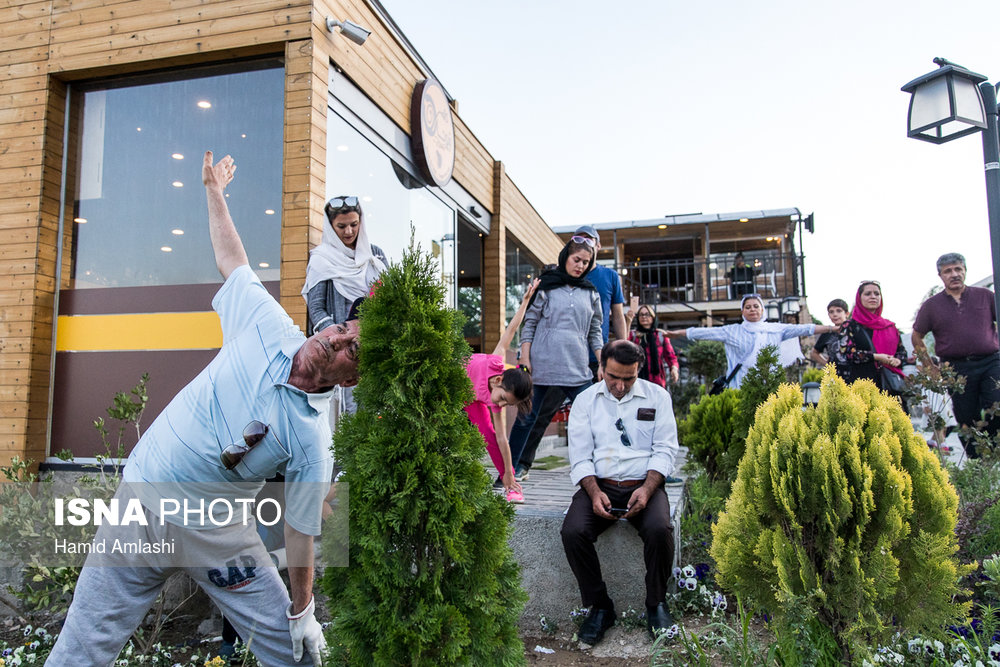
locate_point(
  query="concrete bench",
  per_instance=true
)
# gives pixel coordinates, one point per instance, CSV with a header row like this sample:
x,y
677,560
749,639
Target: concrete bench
x,y
545,574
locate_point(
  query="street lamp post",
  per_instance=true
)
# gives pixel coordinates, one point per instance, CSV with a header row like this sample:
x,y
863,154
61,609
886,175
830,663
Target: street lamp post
x,y
952,102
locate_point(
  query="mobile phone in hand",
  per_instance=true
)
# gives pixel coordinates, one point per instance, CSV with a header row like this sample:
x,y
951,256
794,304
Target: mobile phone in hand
x,y
633,303
618,511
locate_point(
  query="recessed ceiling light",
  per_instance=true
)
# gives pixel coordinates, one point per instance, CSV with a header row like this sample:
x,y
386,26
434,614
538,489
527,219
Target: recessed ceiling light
x,y
166,248
661,226
744,219
342,148
462,272
80,220
177,232
269,211
204,104
243,136
177,184
264,265
177,156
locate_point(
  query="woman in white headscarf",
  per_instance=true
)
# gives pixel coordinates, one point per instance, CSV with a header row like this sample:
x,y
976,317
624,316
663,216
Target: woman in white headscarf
x,y
342,267
745,340
341,270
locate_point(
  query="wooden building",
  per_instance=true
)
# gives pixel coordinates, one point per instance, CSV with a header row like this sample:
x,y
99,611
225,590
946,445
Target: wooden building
x,y
106,107
693,269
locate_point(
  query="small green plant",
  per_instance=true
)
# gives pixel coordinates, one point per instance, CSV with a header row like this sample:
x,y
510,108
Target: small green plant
x,y
548,626
727,641
632,619
706,359
800,638
705,501
708,433
929,390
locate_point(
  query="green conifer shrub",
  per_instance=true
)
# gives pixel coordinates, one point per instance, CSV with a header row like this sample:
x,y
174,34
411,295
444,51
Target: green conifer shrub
x,y
812,375
708,431
706,359
844,506
431,580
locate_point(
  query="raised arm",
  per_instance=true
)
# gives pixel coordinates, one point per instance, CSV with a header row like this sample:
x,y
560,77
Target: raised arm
x,y
515,322
229,252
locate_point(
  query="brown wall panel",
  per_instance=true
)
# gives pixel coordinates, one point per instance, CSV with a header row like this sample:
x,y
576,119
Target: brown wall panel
x,y
86,383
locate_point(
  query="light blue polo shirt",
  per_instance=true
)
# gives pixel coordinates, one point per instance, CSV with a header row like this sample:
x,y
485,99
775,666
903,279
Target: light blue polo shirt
x,y
246,381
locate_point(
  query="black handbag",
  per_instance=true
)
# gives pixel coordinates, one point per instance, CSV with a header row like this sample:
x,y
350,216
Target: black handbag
x,y
891,382
720,383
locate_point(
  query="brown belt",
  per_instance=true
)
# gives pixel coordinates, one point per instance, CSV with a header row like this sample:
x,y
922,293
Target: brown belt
x,y
625,483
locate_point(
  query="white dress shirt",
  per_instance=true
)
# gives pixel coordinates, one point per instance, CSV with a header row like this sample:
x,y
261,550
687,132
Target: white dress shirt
x,y
595,443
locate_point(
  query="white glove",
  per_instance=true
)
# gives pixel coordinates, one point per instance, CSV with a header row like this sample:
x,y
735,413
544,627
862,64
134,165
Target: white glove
x,y
305,629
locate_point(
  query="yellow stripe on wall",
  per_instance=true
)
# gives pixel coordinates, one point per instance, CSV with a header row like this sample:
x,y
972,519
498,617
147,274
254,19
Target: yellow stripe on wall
x,y
139,331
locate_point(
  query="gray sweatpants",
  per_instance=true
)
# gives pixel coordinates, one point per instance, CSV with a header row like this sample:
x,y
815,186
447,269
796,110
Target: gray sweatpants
x,y
113,595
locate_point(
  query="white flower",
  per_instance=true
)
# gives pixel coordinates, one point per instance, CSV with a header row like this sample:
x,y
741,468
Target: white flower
x,y
688,571
672,631
691,583
678,573
28,630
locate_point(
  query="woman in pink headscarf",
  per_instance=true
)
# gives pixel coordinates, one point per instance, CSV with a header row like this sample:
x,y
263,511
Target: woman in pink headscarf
x,y
874,347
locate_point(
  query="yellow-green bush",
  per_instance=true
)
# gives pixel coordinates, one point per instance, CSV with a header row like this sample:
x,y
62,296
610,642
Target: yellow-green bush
x,y
842,505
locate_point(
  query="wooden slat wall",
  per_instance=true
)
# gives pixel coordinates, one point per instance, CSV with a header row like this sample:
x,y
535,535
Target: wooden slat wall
x,y
45,44
523,222
27,263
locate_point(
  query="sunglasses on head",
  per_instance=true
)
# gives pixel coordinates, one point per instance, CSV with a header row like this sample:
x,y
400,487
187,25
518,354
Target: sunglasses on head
x,y
870,282
253,433
338,204
585,240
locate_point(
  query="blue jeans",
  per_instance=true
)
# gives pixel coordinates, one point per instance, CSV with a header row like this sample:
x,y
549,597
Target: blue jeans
x,y
527,431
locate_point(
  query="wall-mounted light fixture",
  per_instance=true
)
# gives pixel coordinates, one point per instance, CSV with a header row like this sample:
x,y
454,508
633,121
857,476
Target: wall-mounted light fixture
x,y
351,31
475,212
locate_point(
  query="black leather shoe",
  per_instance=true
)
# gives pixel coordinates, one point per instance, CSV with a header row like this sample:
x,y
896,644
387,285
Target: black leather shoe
x,y
658,619
594,626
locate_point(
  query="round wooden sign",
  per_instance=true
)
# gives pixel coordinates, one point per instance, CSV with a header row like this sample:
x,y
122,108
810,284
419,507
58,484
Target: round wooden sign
x,y
433,132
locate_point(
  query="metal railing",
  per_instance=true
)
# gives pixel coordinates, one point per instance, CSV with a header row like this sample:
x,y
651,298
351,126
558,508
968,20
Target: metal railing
x,y
773,275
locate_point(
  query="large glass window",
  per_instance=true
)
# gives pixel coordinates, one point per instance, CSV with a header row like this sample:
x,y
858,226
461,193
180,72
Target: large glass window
x,y
392,199
139,217
522,268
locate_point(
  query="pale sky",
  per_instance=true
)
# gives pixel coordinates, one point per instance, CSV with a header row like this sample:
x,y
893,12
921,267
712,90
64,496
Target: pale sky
x,y
648,108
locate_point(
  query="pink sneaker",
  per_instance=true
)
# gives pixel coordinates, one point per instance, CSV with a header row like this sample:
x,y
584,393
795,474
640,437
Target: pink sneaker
x,y
515,497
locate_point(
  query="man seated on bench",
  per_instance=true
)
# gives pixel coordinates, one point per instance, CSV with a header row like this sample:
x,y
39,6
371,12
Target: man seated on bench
x,y
622,444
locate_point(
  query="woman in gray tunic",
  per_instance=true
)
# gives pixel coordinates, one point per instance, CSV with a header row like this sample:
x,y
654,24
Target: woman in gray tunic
x,y
341,269
562,323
